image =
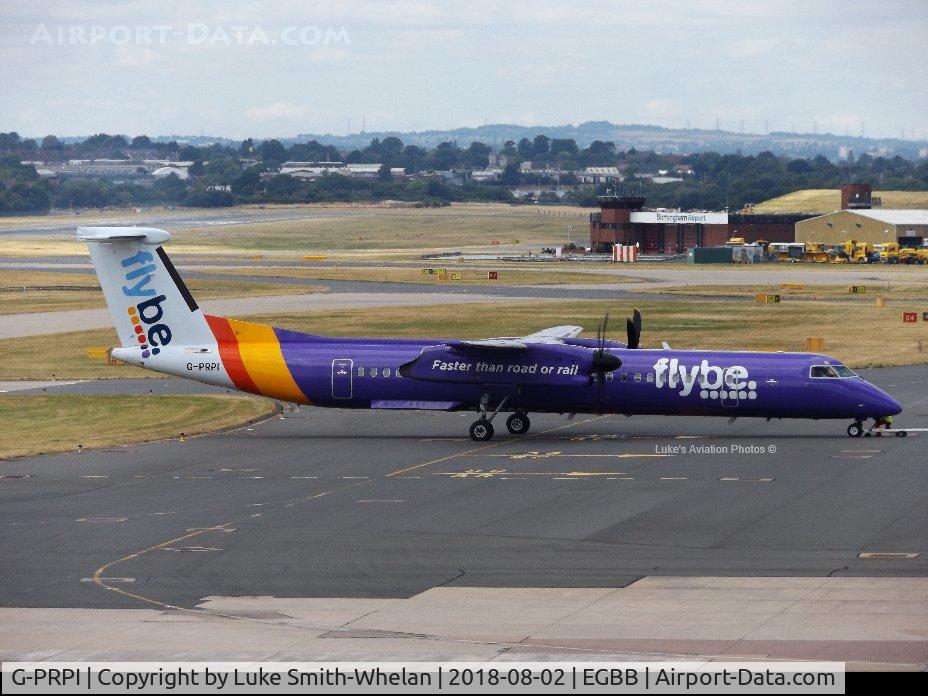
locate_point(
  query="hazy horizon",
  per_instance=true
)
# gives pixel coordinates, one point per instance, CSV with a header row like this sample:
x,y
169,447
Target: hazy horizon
x,y
278,69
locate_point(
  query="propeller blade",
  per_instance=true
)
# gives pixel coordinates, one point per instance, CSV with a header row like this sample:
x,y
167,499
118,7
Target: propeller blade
x,y
633,335
636,320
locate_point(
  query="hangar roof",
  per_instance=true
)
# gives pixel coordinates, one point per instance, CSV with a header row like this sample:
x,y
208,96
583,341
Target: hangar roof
x,y
896,217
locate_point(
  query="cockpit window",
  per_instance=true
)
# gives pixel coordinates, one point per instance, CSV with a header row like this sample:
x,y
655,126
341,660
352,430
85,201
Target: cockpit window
x,y
830,371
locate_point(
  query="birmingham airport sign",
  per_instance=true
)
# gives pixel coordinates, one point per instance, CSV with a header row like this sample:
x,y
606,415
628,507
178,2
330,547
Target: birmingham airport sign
x,y
657,217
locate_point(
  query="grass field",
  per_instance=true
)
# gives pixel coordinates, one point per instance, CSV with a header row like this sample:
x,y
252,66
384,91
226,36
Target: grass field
x,y
353,231
828,200
859,333
41,291
407,274
41,424
891,291
419,229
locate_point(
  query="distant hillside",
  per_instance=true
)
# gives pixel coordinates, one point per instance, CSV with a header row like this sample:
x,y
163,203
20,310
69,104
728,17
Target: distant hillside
x,y
828,200
644,137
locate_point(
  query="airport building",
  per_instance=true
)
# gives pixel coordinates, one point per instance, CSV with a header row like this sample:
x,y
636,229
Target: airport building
x,y
908,227
624,220
858,220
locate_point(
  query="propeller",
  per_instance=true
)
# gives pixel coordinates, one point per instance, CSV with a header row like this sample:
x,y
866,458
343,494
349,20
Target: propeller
x,y
633,327
603,362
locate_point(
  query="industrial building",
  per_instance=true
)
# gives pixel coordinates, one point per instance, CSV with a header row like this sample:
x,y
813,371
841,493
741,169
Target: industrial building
x,y
908,227
624,220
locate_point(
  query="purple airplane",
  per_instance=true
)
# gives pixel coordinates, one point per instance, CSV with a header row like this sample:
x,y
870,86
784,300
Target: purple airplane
x,y
161,328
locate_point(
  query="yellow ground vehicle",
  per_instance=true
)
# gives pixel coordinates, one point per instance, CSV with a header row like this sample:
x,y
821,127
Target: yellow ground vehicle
x,y
888,252
816,253
842,253
863,252
913,255
735,241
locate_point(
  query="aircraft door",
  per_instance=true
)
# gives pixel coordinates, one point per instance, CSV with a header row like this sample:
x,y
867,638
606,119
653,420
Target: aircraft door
x,y
729,395
342,386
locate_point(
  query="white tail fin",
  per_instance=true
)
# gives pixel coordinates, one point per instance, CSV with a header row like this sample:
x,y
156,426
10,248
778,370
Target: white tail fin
x,y
150,304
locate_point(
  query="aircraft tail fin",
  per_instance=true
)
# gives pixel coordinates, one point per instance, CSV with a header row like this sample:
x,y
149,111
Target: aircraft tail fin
x,y
150,304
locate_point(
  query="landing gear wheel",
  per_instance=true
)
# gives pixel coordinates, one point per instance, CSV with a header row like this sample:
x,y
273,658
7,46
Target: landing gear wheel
x,y
481,430
901,433
855,430
518,423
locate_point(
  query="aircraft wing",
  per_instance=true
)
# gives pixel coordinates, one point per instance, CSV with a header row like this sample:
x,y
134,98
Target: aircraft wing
x,y
490,344
555,334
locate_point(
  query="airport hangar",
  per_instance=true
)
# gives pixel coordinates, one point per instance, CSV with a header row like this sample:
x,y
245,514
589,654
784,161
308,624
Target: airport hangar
x,y
623,219
907,227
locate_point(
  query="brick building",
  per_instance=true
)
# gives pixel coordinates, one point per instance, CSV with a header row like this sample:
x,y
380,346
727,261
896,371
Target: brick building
x,y
624,220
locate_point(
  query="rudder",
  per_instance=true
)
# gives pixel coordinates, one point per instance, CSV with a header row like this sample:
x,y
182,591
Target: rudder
x,y
150,304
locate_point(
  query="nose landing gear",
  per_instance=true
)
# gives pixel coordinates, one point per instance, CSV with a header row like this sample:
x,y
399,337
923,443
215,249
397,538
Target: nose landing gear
x,y
855,429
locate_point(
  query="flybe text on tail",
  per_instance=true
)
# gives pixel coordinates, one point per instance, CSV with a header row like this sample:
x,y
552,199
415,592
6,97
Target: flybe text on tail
x,y
146,316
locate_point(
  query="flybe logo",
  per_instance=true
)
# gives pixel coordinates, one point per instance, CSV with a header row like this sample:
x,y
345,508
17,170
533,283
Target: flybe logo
x,y
712,381
146,315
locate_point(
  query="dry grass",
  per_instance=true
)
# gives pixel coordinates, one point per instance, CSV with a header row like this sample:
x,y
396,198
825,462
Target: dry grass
x,y
828,200
38,291
41,424
352,230
892,292
421,229
508,275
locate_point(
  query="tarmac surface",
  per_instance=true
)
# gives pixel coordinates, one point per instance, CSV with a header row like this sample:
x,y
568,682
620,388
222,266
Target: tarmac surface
x,y
324,503
385,535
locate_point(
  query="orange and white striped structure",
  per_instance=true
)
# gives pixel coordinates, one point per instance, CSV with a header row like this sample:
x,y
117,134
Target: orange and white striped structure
x,y
622,253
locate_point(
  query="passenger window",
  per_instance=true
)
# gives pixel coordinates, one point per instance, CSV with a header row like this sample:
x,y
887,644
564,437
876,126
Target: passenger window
x,y
650,378
637,376
361,371
386,372
374,372
624,376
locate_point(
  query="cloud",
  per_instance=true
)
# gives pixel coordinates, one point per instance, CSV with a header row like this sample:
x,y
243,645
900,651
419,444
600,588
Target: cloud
x,y
277,111
746,48
327,55
135,56
659,106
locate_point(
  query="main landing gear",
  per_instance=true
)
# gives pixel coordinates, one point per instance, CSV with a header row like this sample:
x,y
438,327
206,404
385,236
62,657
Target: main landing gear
x,y
518,423
482,430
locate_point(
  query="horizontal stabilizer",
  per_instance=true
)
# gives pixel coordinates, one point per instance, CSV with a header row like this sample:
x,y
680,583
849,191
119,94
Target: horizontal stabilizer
x,y
145,235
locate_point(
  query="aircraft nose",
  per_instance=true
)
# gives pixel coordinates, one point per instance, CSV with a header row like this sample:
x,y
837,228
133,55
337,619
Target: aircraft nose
x,y
878,403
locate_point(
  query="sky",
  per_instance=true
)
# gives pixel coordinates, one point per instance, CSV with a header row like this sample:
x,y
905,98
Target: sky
x,y
278,68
